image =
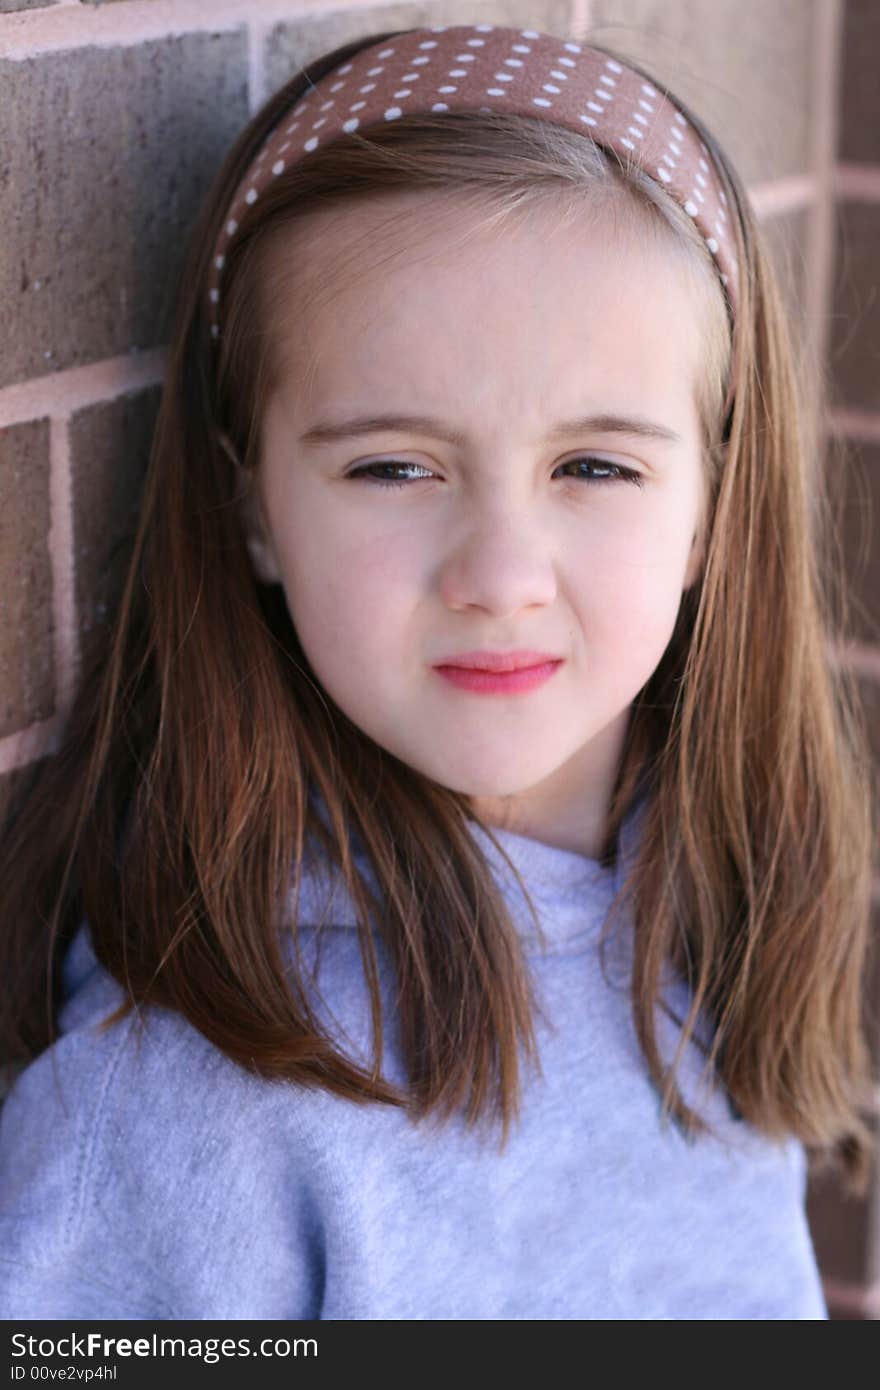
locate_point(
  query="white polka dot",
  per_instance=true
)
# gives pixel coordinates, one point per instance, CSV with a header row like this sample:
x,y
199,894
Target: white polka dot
x,y
392,113
514,62
357,106
215,295
548,87
214,330
700,180
724,279
609,81
568,62
712,245
251,195
278,166
219,262
629,144
504,76
317,124
572,47
369,87
465,58
520,48
311,144
476,43
374,72
723,196
634,130
646,105
386,53
447,89
563,76
691,208
646,88
541,101
336,86
231,226
588,120
484,28
404,92
593,107
680,118
530,33
343,71
495,92
457,72
704,166
349,126
412,77
643,120
664,173
428,43
615,67
420,60
439,106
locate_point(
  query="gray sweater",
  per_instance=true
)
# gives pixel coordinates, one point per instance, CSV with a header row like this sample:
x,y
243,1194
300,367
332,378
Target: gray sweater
x,y
156,1179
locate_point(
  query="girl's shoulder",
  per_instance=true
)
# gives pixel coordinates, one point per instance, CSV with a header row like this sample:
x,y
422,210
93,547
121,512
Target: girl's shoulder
x,y
93,1058
119,1150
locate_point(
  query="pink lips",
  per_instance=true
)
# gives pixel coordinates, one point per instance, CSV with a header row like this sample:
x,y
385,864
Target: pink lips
x,y
498,661
498,673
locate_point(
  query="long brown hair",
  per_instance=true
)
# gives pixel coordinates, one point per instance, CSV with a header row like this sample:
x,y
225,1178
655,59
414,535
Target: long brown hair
x,y
176,810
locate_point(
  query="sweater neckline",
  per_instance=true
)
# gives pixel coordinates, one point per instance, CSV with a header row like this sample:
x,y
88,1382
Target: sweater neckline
x,y
571,892
549,867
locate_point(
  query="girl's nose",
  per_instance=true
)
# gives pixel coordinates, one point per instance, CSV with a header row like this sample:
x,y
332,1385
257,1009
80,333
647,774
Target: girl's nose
x,y
502,564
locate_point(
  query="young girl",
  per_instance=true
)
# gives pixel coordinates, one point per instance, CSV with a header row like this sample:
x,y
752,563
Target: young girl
x,y
451,897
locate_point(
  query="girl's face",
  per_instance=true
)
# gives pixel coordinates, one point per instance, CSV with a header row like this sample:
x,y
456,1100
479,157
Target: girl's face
x,y
512,528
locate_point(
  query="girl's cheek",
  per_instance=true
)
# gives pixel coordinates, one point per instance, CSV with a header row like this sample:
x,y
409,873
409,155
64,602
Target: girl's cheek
x,y
345,592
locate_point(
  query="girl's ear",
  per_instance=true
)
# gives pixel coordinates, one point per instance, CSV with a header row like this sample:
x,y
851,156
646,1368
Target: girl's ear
x,y
695,561
699,543
256,533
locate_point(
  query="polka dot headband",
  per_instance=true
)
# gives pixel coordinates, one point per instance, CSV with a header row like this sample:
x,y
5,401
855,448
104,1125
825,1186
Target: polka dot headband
x,y
485,67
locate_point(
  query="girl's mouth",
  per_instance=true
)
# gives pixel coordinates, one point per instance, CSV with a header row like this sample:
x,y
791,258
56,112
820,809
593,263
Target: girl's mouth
x,y
481,682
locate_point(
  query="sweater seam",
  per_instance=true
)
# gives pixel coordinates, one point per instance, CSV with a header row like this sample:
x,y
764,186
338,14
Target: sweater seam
x,y
89,1141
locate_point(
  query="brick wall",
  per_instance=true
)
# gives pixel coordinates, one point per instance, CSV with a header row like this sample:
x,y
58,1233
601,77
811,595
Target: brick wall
x,y
113,119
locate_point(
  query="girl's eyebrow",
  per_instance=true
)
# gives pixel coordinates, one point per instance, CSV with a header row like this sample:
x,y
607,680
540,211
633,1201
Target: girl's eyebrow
x,y
329,431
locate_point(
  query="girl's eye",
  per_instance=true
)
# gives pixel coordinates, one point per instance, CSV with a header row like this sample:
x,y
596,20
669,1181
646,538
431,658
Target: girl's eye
x,y
367,470
617,471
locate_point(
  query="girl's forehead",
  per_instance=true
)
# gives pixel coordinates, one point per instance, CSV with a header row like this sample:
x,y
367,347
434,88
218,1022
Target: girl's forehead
x,y
491,365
